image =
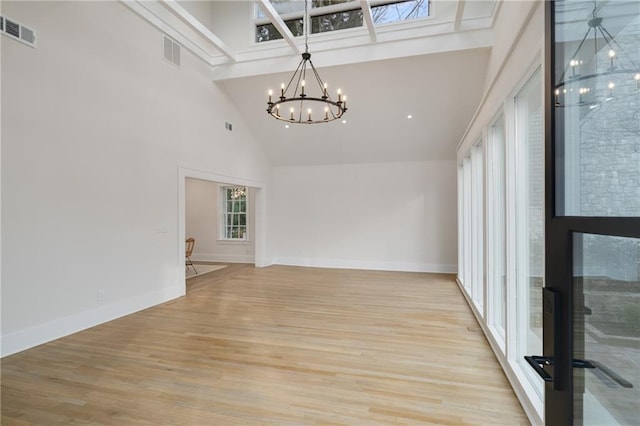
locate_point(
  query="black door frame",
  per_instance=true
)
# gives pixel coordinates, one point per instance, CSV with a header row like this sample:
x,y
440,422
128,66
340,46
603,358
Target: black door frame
x,y
558,325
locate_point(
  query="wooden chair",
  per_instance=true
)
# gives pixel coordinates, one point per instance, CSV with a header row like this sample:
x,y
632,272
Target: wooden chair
x,y
189,244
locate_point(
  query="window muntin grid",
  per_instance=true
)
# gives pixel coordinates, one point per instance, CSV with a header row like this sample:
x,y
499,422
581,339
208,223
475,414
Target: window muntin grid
x,y
234,216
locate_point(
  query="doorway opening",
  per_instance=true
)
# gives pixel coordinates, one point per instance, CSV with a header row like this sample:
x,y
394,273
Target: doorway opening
x,y
221,219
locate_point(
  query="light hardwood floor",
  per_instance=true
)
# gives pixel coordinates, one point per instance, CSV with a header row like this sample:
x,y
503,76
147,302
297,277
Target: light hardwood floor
x,y
279,345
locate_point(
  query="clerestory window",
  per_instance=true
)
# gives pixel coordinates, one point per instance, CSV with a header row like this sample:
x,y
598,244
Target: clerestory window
x,y
333,15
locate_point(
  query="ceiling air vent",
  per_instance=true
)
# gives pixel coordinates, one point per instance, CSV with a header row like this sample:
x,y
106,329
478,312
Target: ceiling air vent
x,y
171,50
17,32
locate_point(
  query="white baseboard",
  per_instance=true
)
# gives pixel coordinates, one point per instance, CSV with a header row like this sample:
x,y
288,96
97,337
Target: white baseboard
x,y
365,264
230,258
52,330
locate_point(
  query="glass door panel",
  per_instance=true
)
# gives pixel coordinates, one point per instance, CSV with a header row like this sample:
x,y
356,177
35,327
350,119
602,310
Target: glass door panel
x,y
606,332
597,107
591,350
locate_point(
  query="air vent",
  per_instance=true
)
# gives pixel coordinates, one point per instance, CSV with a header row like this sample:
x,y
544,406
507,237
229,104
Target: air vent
x,y
27,35
13,28
17,32
171,50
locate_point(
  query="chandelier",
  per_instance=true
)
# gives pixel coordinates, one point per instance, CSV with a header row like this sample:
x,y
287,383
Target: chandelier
x,y
300,101
591,77
238,192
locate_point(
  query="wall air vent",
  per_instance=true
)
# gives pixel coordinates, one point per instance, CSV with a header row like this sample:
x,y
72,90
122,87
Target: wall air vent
x,y
27,35
17,31
13,28
171,50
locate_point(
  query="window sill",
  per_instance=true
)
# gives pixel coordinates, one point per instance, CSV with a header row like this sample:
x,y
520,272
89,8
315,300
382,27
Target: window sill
x,y
234,242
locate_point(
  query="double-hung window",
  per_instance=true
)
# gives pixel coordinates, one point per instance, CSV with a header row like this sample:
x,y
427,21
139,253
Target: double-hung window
x,y
234,212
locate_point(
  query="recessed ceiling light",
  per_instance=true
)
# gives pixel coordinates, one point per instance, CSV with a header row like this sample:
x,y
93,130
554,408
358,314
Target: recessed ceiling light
x,y
286,126
344,121
409,116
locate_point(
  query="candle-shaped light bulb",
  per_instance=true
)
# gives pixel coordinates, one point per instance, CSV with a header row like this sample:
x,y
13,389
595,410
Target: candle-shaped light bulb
x,y
557,93
637,79
282,90
270,94
326,113
339,95
573,63
581,91
344,105
302,86
324,90
612,54
309,112
291,110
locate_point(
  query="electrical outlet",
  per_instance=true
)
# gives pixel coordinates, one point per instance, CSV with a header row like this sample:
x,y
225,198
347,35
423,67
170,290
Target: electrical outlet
x,y
100,294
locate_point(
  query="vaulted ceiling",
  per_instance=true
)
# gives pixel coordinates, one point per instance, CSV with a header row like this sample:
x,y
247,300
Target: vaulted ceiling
x,y
432,69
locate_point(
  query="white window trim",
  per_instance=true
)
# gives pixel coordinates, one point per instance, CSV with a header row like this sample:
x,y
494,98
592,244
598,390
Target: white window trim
x,y
477,225
531,382
493,245
461,259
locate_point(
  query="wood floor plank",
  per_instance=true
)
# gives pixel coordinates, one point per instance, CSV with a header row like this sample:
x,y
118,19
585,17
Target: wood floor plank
x,y
277,345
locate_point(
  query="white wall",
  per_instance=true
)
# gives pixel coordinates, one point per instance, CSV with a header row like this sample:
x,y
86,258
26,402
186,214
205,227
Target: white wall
x,y
517,45
95,125
390,216
232,21
201,10
203,221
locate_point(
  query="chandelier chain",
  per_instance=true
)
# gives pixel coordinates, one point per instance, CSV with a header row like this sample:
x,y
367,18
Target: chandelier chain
x,y
306,24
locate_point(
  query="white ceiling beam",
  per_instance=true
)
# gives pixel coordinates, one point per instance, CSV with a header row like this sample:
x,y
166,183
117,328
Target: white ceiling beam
x,y
278,22
190,20
459,12
368,19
